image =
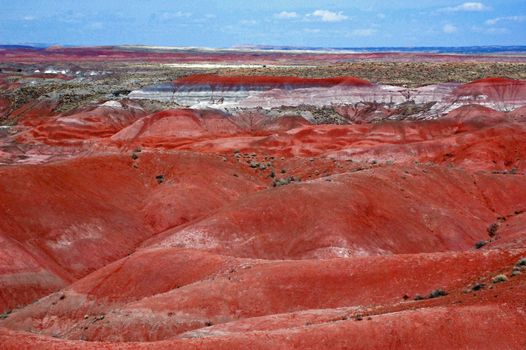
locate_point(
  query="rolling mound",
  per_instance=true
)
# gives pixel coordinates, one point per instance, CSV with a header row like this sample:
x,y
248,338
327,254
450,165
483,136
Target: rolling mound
x,y
74,235
296,292
97,122
360,214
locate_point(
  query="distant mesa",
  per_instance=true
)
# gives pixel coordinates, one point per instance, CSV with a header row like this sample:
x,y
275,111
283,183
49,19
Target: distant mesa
x,y
207,90
202,90
260,91
266,82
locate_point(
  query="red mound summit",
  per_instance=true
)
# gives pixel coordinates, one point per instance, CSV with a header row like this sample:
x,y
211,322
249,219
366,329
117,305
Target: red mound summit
x,y
267,82
495,89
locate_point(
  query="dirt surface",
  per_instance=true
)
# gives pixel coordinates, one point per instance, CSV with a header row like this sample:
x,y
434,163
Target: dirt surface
x,y
132,223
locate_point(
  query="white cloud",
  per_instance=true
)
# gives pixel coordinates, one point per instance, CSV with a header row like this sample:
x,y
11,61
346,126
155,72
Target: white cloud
x,y
29,18
468,6
248,22
494,21
498,31
490,30
329,16
166,16
312,31
75,17
183,14
363,32
96,25
449,29
286,15
320,15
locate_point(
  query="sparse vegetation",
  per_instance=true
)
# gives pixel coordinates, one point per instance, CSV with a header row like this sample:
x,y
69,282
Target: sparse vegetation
x,y
477,286
411,74
135,153
285,181
120,92
499,278
160,179
480,244
492,229
5,314
281,182
437,293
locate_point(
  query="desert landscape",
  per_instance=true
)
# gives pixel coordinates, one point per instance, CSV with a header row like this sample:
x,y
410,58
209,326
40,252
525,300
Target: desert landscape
x,y
261,199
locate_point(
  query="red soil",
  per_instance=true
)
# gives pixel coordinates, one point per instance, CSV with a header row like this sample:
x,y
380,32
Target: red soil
x,y
474,137
7,84
165,231
210,289
5,103
177,124
277,225
35,111
101,225
96,122
181,127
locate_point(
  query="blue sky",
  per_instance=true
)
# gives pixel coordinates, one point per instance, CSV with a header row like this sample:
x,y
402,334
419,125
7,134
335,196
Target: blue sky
x,y
287,22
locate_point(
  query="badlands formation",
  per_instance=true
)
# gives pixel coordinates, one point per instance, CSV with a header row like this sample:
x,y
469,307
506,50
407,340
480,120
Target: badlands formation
x,y
233,200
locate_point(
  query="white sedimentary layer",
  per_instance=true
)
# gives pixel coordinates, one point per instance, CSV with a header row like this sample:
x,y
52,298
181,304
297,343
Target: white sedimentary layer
x,y
203,96
112,104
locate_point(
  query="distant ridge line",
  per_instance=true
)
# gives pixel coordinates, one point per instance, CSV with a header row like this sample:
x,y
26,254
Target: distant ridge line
x,y
492,49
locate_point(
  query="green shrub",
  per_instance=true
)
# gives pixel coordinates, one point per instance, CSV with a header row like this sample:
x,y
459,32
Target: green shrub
x,y
499,278
5,314
477,286
480,244
160,179
437,293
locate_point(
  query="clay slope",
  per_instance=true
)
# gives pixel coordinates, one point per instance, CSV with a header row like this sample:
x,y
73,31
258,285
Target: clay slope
x,y
473,137
94,123
84,213
174,290
286,300
372,212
